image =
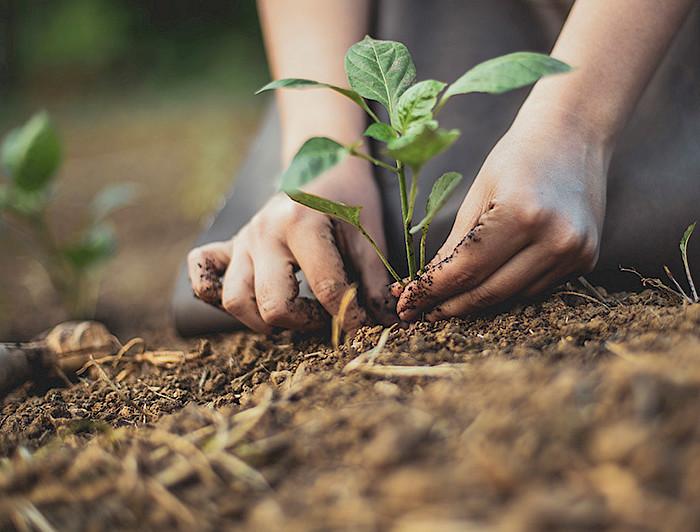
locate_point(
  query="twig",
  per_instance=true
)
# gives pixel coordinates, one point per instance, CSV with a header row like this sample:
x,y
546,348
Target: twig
x,y
156,392
686,297
441,370
239,469
339,318
370,356
652,282
35,517
584,296
593,290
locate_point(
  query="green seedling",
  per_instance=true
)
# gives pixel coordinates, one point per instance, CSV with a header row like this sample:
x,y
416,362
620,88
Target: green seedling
x,y
31,157
383,71
691,297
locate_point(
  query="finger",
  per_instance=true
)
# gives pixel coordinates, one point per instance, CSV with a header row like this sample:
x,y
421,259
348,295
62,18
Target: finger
x,y
373,277
516,275
318,257
397,288
238,297
277,291
205,266
494,240
555,276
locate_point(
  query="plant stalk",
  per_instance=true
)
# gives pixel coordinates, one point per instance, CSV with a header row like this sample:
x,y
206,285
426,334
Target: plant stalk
x,y
689,275
372,160
423,236
380,254
408,238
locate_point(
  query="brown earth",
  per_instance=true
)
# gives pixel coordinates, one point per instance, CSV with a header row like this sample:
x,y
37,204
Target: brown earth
x,y
564,414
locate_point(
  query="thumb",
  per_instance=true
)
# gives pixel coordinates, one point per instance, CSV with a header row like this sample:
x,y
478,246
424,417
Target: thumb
x,y
206,266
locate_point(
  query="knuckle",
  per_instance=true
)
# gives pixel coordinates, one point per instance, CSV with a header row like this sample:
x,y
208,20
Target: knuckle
x,y
233,304
531,215
484,297
569,240
274,311
463,278
589,255
329,291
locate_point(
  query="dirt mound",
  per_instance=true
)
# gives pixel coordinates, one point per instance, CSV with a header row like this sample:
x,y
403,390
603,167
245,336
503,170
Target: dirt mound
x,y
566,414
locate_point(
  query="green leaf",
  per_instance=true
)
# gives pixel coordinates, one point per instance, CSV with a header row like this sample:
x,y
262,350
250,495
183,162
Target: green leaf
x,y
380,131
112,198
416,104
441,192
26,203
505,73
686,237
317,155
380,71
31,154
299,83
346,213
421,143
4,197
97,245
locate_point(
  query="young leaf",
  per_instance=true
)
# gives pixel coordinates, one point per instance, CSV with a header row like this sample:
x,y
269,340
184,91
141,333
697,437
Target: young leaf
x,y
112,198
421,143
684,256
686,237
380,131
416,104
299,83
346,213
441,192
505,73
317,155
380,71
31,153
97,245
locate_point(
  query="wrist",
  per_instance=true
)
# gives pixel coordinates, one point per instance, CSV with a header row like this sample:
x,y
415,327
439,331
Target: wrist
x,y
565,123
306,114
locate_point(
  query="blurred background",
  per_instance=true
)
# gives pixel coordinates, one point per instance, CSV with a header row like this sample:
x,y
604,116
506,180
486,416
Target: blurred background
x,y
154,92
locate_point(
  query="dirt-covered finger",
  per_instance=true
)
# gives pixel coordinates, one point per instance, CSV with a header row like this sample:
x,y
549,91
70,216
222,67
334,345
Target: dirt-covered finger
x,y
238,294
206,266
316,252
485,248
277,292
509,280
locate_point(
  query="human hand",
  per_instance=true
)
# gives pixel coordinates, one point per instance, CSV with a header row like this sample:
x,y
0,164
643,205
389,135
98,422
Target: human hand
x,y
532,217
259,263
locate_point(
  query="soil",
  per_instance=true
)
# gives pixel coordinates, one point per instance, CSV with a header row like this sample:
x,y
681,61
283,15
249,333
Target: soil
x,y
562,414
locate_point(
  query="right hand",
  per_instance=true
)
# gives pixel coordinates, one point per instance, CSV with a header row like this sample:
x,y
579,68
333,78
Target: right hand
x,y
259,264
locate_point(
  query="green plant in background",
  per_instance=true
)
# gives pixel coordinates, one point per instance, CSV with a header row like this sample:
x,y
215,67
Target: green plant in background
x,y
383,71
31,156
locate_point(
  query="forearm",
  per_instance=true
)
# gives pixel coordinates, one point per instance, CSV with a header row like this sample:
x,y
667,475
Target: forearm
x,y
307,39
614,47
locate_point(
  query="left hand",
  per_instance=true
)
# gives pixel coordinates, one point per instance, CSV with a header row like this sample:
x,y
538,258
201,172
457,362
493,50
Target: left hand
x,y
532,217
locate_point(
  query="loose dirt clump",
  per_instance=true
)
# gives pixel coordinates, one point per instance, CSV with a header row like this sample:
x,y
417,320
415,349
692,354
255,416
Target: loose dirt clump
x,y
564,414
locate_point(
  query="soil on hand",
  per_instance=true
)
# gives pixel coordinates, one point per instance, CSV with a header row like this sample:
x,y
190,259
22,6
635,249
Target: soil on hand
x,y
567,414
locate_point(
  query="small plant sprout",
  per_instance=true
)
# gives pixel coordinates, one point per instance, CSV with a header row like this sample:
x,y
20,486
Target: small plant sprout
x,y
31,156
693,296
383,71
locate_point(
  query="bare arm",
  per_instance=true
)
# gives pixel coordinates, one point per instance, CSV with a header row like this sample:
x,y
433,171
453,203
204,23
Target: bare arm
x,y
615,47
308,39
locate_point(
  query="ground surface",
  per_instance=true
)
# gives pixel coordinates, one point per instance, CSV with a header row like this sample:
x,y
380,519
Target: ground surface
x,y
564,414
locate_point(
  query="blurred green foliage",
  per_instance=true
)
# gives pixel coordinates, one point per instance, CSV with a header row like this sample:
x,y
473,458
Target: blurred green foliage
x,y
30,156
126,41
